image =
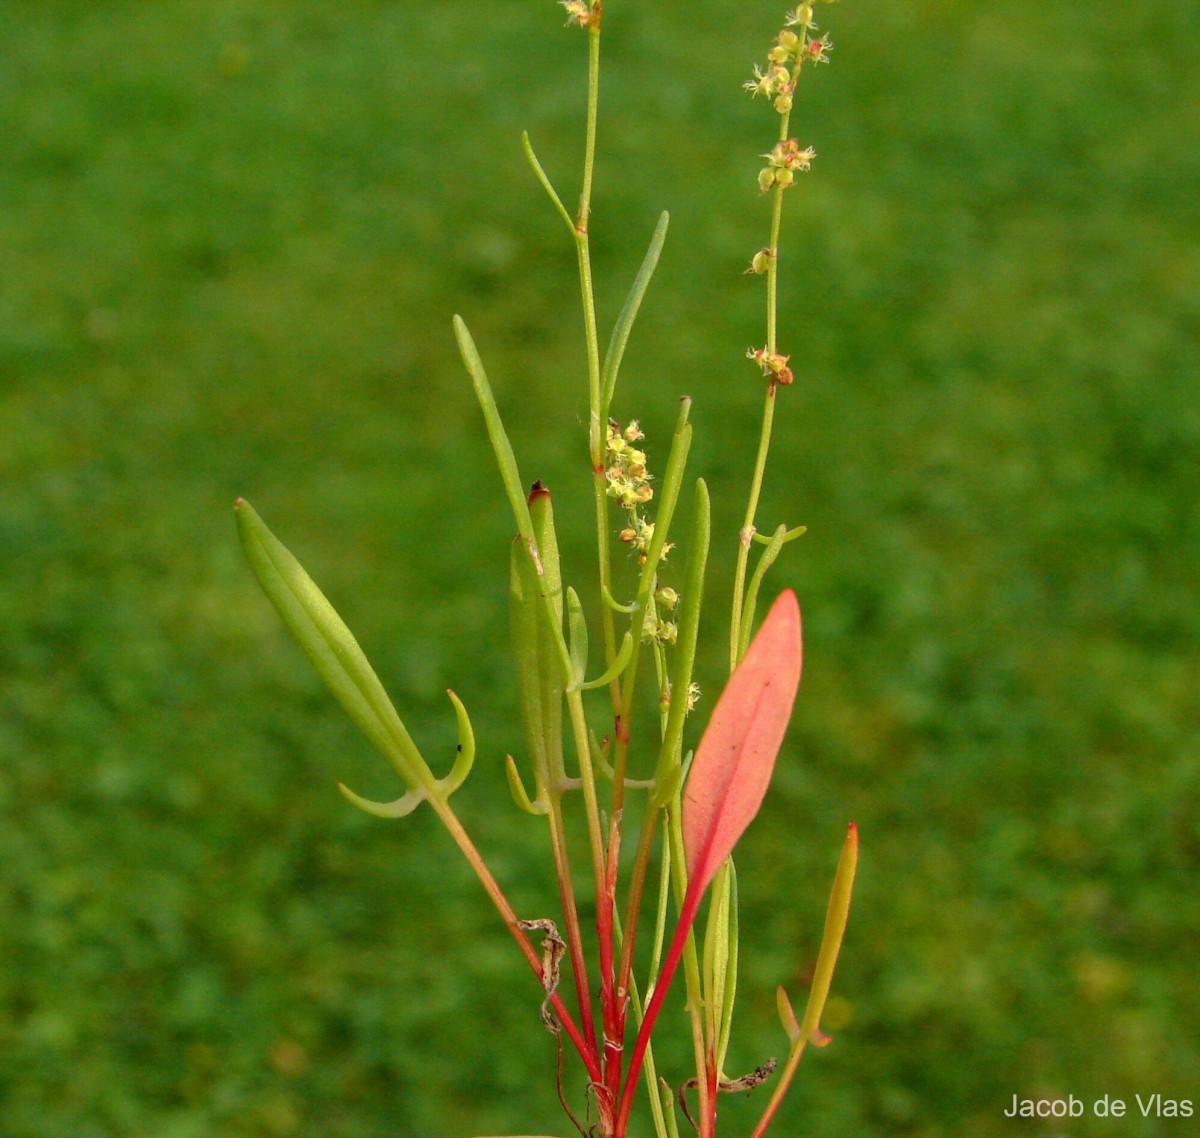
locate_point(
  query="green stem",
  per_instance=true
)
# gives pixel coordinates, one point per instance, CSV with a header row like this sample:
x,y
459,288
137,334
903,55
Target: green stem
x,y
603,867
596,425
593,108
746,534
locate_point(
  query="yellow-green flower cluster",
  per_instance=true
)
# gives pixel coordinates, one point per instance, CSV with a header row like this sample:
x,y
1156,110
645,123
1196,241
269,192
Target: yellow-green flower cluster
x,y
791,50
785,160
628,482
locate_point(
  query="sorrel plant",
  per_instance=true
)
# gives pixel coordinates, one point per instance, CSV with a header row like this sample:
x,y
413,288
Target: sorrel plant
x,y
696,806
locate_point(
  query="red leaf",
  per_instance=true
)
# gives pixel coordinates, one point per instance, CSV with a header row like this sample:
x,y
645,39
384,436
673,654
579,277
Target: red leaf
x,y
736,756
728,781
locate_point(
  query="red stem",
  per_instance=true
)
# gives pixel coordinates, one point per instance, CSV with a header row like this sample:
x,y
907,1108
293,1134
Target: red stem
x,y
566,892
708,1124
633,907
587,1051
609,1002
687,917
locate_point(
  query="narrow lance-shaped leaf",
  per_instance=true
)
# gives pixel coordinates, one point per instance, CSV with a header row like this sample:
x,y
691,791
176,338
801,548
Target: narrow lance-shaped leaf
x,y
728,780
666,773
620,333
736,756
505,458
720,961
330,646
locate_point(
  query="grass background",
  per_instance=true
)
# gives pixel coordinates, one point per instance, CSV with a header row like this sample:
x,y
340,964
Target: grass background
x,y
232,234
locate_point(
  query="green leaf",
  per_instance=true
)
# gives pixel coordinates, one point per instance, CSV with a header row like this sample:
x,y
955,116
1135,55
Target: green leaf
x,y
519,793
466,749
577,627
624,324
532,158
666,773
731,969
774,544
619,664
505,458
330,645
400,808
831,940
720,940
525,617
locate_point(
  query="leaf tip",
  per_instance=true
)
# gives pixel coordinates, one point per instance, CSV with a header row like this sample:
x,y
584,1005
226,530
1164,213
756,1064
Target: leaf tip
x,y
787,605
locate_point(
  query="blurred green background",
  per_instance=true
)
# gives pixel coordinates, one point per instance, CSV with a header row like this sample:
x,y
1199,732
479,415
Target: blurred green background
x,y
232,235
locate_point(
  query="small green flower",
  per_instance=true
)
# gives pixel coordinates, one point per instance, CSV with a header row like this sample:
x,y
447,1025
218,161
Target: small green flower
x,y
582,12
760,84
802,17
760,262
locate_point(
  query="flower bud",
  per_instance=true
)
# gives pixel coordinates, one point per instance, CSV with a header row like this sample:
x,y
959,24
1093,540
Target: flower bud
x,y
802,17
